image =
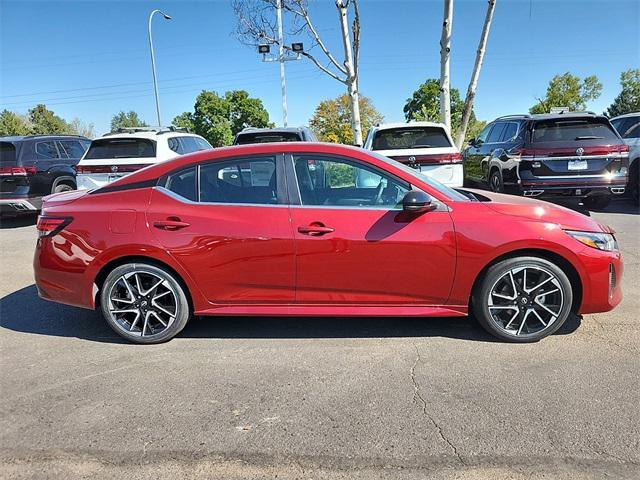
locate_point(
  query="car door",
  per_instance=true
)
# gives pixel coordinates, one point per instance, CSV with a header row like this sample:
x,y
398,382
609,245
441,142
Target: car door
x,y
488,147
227,223
473,157
356,246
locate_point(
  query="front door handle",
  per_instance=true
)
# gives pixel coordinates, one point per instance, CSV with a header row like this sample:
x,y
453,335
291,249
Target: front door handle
x,y
171,224
315,229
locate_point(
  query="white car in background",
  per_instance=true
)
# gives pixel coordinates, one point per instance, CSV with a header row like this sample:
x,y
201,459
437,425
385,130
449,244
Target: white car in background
x,y
115,155
628,126
426,146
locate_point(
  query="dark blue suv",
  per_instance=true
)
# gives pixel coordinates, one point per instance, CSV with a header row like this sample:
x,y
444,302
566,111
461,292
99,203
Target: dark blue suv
x,y
32,167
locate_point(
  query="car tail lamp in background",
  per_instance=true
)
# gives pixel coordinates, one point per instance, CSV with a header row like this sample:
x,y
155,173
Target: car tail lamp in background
x,y
436,158
87,169
18,171
49,226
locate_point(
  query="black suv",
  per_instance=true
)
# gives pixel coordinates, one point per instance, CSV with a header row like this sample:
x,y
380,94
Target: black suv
x,y
269,135
552,155
32,167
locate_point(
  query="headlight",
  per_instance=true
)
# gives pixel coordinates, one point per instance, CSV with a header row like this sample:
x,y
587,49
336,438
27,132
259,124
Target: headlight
x,y
601,241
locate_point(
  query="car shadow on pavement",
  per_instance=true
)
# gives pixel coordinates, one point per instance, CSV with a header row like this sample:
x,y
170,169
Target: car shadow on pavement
x,y
17,222
23,311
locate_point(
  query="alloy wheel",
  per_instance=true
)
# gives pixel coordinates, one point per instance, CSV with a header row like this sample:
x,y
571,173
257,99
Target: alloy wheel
x,y
143,303
525,300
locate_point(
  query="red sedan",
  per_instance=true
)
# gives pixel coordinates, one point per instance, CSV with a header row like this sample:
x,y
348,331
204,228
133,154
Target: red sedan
x,y
319,230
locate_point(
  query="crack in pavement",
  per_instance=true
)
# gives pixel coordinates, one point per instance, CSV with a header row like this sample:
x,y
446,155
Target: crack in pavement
x,y
417,396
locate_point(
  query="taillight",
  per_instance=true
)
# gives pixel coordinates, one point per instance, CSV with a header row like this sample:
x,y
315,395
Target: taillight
x,y
18,171
85,169
49,226
449,158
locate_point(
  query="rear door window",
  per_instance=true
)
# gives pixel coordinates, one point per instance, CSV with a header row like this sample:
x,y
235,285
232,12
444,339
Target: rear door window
x,y
496,133
573,129
413,137
183,183
112,148
71,148
509,132
46,150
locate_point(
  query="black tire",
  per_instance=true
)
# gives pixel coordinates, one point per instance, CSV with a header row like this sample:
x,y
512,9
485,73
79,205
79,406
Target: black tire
x,y
495,182
63,187
597,202
634,182
495,322
116,296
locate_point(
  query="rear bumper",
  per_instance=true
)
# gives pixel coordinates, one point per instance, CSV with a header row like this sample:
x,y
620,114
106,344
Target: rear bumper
x,y
91,181
19,204
576,187
451,175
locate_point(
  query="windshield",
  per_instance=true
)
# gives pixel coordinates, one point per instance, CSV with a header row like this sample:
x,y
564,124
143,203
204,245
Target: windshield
x,y
449,192
109,148
410,137
563,130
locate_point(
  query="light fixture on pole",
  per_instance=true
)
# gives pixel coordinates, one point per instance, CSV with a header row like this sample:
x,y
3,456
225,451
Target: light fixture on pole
x,y
153,63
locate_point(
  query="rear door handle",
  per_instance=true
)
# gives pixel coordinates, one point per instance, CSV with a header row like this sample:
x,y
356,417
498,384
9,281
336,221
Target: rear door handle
x,y
170,224
315,230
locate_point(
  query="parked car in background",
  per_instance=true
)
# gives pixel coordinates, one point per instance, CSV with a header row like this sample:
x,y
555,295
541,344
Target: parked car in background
x,y
270,135
184,238
628,126
115,155
425,146
35,166
561,155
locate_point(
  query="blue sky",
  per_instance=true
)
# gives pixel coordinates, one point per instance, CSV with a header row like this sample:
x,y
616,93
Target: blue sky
x,y
90,59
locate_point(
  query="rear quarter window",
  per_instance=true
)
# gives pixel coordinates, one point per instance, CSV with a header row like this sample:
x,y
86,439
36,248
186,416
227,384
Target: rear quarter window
x,y
572,129
111,148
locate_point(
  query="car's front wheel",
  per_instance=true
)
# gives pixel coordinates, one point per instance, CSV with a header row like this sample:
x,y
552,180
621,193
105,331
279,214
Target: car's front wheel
x,y
144,303
523,299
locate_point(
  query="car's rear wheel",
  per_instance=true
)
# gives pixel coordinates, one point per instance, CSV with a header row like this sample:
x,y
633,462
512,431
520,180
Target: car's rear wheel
x,y
523,299
63,187
495,182
597,202
144,303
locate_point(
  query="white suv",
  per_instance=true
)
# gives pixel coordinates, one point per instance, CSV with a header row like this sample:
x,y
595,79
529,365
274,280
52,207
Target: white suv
x,y
115,155
426,146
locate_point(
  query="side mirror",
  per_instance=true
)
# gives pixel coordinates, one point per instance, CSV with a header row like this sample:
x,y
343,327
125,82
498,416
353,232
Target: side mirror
x,y
416,201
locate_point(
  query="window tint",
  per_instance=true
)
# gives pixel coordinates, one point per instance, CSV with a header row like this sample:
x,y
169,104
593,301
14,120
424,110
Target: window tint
x,y
109,148
71,148
339,182
7,153
561,130
184,145
46,150
509,131
413,137
250,180
175,145
267,137
496,133
628,127
202,143
485,133
183,183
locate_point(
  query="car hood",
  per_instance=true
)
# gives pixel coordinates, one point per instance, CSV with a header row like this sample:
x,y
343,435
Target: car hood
x,y
540,211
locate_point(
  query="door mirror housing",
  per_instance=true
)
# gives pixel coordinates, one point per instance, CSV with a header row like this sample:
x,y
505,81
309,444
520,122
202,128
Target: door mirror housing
x,y
416,201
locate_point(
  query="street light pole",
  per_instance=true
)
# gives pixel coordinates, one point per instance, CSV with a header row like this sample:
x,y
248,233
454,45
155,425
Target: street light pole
x,y
281,60
153,63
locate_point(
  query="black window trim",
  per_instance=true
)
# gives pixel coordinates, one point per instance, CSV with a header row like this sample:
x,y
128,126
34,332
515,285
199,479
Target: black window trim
x,y
281,187
294,188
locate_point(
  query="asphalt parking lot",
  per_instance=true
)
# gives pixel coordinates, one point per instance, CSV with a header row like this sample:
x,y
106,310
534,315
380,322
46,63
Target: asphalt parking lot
x,y
315,398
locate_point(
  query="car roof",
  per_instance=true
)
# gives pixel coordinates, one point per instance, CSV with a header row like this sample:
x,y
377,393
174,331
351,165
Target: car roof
x,y
385,126
627,115
273,130
547,116
18,138
151,135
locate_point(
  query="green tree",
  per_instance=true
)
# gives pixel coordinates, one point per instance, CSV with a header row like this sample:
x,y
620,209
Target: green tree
x,y
628,100
331,120
44,122
218,118
12,123
568,91
126,120
424,105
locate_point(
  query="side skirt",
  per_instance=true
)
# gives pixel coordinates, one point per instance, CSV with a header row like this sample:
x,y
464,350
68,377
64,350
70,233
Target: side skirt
x,y
337,310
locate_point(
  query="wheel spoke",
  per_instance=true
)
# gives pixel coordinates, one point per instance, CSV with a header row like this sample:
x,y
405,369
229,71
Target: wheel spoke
x,y
524,320
164,324
122,300
539,317
162,309
127,310
499,295
554,314
161,295
515,315
135,321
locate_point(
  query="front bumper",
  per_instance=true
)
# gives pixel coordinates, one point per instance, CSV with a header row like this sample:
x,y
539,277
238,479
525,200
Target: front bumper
x,y
601,285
